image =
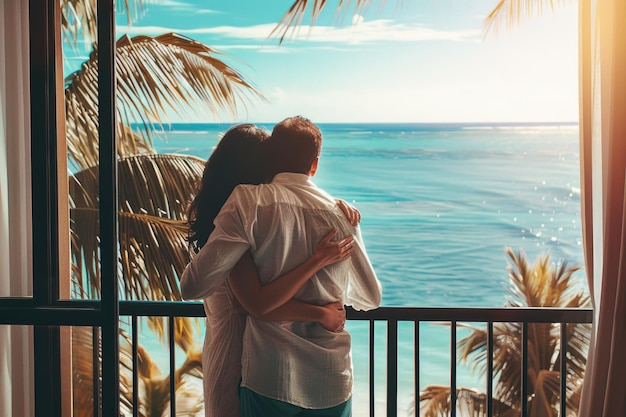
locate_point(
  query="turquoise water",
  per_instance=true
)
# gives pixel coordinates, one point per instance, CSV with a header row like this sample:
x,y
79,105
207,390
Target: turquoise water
x,y
440,202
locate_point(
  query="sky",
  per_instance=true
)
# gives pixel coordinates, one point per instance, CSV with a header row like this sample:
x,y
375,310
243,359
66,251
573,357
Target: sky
x,y
396,61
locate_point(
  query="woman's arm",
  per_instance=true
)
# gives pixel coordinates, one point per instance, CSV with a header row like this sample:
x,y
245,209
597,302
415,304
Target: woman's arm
x,y
259,300
332,316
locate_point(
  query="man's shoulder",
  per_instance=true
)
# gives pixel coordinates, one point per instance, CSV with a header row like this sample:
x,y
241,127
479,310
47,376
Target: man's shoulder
x,y
306,195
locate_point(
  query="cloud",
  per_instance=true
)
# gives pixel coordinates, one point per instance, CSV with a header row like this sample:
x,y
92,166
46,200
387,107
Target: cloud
x,y
179,6
362,32
277,93
385,30
256,32
357,18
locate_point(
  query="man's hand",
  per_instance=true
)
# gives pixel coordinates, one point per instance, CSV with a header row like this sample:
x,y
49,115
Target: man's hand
x,y
334,316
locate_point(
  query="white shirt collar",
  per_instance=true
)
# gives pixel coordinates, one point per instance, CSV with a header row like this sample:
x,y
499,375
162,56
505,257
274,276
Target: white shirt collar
x,y
290,178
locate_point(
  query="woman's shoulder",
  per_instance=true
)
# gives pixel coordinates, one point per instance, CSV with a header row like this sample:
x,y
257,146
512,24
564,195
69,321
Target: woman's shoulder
x,y
249,196
245,190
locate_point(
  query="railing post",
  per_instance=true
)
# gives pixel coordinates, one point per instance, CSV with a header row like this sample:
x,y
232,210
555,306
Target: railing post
x,y
453,368
392,368
416,364
490,368
371,368
172,332
563,370
135,341
524,370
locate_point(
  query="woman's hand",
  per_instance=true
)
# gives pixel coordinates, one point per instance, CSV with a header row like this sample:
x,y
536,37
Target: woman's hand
x,y
334,317
353,215
330,251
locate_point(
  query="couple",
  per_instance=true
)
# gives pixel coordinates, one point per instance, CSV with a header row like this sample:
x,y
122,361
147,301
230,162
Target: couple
x,y
292,256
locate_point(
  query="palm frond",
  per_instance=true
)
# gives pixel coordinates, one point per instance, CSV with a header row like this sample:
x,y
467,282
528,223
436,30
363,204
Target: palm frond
x,y
144,240
574,392
154,389
185,330
79,17
154,76
187,65
192,366
508,13
81,110
159,185
153,255
84,242
578,341
542,284
83,370
154,191
147,274
545,389
435,401
294,17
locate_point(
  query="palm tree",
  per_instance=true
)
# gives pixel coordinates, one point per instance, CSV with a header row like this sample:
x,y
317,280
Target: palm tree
x,y
539,285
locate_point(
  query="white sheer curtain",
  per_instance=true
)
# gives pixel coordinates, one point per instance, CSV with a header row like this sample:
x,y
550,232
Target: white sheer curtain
x,y
603,173
16,346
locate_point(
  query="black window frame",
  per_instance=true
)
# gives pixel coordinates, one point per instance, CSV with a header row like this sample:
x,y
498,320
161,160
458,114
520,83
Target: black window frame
x,y
44,310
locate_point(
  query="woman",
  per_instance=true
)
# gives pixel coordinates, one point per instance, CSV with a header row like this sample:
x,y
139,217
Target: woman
x,y
239,159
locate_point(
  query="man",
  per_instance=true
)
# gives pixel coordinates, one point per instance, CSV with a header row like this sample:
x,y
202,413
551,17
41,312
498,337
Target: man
x,y
289,368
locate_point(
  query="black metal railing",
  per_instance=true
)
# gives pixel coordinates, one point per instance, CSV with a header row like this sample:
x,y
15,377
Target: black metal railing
x,y
392,316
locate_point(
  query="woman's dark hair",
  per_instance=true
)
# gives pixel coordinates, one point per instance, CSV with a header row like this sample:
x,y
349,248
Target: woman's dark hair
x,y
238,158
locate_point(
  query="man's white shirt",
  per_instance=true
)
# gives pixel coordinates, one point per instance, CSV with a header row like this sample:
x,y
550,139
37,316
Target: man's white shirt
x,y
281,224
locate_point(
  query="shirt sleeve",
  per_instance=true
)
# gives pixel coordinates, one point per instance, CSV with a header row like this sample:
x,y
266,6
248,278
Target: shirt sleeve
x,y
211,265
364,288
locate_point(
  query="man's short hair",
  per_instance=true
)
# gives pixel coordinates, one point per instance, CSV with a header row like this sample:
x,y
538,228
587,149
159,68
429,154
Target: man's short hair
x,y
294,144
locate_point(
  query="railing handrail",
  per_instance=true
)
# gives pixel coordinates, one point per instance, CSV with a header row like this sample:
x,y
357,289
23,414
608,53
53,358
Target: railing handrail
x,y
21,314
469,314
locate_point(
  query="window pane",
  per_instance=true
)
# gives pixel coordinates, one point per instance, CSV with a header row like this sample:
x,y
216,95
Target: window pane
x,y
80,69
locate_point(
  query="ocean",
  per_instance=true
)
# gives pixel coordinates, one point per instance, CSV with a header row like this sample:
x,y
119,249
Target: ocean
x,y
439,204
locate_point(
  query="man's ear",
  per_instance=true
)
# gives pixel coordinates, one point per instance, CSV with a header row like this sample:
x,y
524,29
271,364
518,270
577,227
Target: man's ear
x,y
314,164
